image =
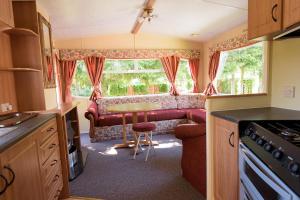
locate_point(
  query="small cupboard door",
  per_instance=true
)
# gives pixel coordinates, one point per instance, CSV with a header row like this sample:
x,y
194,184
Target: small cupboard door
x,y
20,164
226,178
6,12
264,17
291,13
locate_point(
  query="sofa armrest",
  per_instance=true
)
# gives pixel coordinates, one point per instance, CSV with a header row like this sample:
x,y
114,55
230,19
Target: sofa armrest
x,y
92,109
92,115
185,131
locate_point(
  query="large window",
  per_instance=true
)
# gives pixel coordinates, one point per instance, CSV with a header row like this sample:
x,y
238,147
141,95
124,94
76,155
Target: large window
x,y
131,77
241,71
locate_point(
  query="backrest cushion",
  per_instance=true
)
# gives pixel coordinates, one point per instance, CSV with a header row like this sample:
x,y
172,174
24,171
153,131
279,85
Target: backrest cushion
x,y
192,100
165,100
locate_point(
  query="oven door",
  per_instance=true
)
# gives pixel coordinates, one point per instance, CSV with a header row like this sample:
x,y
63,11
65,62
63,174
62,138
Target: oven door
x,y
257,181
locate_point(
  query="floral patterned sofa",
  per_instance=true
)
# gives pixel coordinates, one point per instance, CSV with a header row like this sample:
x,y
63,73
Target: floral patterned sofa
x,y
174,110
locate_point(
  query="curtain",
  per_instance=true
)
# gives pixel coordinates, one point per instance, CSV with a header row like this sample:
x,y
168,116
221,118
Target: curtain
x,y
95,66
66,74
212,73
170,65
194,64
49,68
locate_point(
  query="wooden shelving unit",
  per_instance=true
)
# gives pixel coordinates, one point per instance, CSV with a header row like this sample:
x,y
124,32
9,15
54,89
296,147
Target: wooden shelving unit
x,y
21,32
16,69
67,113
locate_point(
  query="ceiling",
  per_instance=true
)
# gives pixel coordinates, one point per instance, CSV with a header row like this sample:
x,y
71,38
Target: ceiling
x,y
177,18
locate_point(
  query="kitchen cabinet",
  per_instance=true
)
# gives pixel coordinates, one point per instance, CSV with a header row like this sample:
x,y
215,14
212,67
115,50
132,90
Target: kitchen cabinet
x,y
264,17
6,12
226,176
291,13
32,166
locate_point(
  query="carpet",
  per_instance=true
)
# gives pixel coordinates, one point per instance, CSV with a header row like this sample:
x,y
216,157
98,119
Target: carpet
x,y
112,174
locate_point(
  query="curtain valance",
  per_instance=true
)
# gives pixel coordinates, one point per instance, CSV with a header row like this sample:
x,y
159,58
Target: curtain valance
x,y
78,54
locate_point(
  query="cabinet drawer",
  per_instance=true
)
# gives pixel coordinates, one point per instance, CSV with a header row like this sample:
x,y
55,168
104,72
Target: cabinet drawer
x,y
52,165
47,131
53,185
48,147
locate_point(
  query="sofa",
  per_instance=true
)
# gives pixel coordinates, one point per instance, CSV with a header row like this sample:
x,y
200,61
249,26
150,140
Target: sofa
x,y
174,110
193,160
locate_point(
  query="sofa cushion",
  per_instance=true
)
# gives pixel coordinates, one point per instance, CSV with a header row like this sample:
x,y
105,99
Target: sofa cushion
x,y
196,115
165,100
160,115
192,100
157,115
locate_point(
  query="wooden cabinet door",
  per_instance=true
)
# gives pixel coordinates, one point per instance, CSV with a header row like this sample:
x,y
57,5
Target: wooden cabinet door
x,y
291,13
226,178
6,12
264,17
22,159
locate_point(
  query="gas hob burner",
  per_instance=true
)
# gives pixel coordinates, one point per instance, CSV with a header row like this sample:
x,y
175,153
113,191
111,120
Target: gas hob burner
x,y
290,133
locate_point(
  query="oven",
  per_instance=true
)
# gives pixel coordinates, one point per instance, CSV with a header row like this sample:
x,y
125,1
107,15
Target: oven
x,y
258,182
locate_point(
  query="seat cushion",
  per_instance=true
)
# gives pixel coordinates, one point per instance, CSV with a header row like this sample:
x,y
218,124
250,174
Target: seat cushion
x,y
113,119
169,114
196,115
143,127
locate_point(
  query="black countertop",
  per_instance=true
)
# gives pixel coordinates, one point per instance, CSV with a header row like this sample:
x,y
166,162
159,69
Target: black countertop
x,y
254,114
23,129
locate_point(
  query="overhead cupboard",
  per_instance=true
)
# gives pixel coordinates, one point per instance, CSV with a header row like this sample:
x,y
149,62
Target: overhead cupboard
x,y
270,18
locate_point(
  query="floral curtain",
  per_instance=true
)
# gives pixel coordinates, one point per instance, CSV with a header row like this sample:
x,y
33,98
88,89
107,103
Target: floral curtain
x,y
170,65
95,66
66,70
212,73
194,64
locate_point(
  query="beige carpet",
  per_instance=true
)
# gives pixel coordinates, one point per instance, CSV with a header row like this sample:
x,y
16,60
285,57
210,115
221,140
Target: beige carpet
x,y
112,174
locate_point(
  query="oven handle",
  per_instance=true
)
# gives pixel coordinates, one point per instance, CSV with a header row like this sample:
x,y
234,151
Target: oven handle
x,y
269,180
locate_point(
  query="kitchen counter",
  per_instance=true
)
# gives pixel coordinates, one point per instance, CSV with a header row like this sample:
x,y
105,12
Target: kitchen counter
x,y
255,114
23,129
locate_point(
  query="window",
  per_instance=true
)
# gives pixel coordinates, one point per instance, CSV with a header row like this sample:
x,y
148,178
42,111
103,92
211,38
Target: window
x,y
131,77
241,71
184,82
81,85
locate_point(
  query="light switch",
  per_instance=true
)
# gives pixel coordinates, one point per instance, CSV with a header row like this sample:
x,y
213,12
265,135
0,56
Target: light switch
x,y
289,91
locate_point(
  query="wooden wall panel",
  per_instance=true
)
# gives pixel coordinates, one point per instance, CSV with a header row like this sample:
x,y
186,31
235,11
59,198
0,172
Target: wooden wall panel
x,y
7,81
30,91
26,52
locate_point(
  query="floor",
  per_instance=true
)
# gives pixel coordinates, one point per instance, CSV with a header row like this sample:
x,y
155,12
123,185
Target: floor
x,y
112,173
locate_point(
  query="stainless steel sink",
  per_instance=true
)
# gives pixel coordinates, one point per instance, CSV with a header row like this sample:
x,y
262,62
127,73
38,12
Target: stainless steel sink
x,y
14,119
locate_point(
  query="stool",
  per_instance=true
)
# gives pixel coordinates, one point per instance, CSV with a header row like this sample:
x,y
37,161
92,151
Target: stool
x,y
143,128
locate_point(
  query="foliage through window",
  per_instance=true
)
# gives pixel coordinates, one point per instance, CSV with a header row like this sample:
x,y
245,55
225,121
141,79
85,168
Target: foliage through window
x,y
131,77
241,70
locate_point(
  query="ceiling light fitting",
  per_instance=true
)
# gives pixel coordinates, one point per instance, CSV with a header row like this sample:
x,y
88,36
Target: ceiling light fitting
x,y
147,15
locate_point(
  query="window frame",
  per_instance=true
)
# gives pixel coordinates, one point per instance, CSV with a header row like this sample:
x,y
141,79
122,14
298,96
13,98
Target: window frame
x,y
138,71
265,77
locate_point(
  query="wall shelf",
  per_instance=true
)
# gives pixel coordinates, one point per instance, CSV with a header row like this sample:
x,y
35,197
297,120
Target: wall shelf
x,y
21,32
15,69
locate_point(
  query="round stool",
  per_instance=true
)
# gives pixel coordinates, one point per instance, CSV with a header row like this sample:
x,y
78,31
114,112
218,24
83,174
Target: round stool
x,y
145,128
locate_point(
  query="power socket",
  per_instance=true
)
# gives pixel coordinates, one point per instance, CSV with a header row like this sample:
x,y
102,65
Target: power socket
x,y
6,107
289,91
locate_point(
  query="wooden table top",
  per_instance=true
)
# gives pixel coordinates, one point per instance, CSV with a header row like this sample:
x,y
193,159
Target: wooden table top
x,y
133,107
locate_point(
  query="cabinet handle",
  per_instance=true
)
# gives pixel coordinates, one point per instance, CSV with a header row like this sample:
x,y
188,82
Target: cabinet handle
x,y
53,163
273,12
12,174
5,186
55,178
50,129
52,146
229,140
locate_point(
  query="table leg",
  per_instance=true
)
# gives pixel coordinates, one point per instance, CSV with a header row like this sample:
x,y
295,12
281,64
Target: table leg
x,y
124,129
134,121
